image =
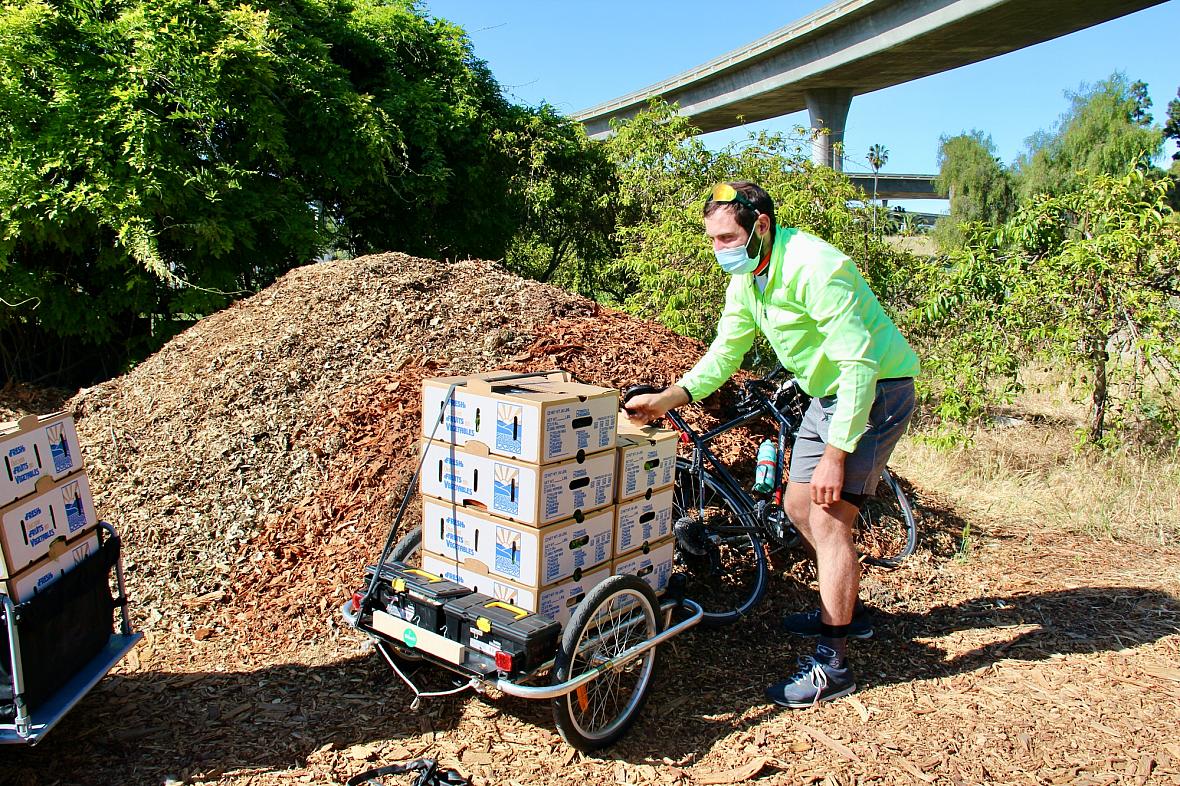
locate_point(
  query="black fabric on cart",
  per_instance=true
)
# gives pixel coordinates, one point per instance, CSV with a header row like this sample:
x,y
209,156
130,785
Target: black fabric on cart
x,y
61,629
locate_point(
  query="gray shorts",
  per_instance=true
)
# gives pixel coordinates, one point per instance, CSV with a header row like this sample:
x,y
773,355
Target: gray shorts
x,y
892,408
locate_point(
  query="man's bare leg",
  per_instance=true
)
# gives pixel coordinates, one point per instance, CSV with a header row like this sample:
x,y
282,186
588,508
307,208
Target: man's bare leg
x,y
828,530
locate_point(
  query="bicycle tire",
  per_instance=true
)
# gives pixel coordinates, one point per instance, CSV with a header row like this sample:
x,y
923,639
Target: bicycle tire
x,y
729,589
617,614
886,531
408,545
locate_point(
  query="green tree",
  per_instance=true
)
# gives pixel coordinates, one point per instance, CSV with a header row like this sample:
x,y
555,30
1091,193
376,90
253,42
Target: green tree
x,y
157,158
1107,128
878,156
1140,115
563,196
977,184
1172,124
1089,277
1099,288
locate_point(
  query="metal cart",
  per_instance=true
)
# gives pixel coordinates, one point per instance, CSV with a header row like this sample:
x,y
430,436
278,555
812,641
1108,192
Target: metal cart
x,y
30,723
598,679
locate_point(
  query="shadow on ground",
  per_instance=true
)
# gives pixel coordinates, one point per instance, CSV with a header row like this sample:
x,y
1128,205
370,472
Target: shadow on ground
x,y
711,681
143,727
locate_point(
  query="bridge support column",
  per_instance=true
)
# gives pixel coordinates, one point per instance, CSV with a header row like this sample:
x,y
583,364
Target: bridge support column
x,y
828,108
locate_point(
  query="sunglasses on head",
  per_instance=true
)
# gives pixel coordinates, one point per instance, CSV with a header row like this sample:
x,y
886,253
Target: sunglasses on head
x,y
724,192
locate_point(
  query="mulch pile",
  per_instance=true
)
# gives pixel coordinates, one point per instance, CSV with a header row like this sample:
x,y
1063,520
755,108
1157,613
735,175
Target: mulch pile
x,y
305,558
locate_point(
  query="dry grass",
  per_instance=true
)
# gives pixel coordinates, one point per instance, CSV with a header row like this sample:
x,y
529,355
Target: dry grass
x,y
1027,467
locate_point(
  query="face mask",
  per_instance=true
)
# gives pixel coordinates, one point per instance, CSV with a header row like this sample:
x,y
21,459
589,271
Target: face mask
x,y
737,261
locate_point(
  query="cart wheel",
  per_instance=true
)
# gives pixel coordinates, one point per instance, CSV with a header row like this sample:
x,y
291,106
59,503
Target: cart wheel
x,y
617,614
408,545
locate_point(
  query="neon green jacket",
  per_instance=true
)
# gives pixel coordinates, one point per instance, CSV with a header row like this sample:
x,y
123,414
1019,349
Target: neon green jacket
x,y
824,324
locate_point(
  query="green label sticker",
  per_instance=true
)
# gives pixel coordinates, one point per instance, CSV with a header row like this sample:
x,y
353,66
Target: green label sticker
x,y
410,637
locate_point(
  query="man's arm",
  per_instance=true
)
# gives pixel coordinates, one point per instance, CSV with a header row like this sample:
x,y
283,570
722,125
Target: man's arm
x,y
735,336
833,301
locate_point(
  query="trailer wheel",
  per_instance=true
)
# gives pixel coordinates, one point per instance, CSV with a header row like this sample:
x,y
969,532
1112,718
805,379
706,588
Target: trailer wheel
x,y
616,615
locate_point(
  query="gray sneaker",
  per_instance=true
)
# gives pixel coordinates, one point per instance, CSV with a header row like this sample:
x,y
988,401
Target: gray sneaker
x,y
806,624
815,681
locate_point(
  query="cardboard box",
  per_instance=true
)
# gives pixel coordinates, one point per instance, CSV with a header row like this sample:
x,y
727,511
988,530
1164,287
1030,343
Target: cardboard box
x,y
536,418
645,519
647,459
556,602
526,493
62,558
652,563
35,447
531,556
29,526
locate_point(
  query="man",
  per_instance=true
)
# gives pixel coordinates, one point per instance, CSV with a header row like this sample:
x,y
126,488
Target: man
x,y
826,327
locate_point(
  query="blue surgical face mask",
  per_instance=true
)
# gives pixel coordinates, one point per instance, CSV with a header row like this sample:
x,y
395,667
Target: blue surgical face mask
x,y
737,261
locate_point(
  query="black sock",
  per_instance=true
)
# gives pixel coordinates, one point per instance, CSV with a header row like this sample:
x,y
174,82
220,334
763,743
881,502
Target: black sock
x,y
832,650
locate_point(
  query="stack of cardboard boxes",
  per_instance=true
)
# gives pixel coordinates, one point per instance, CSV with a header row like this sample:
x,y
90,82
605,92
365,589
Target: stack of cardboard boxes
x,y
47,518
643,519
521,482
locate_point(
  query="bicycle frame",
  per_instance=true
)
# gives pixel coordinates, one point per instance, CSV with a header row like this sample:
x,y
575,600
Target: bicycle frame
x,y
702,455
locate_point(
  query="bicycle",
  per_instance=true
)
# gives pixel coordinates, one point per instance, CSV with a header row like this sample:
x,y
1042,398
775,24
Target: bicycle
x,y
722,529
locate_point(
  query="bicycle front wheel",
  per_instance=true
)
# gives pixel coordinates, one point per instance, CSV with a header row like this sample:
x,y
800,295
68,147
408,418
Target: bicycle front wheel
x,y
885,531
718,549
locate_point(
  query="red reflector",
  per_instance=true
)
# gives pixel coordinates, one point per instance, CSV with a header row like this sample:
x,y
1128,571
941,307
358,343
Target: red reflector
x,y
683,437
504,661
356,601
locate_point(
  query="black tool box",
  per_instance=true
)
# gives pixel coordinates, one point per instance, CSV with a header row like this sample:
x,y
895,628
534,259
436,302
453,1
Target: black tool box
x,y
415,595
517,640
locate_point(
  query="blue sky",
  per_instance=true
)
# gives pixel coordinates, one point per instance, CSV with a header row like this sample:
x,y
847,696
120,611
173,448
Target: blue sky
x,y
578,54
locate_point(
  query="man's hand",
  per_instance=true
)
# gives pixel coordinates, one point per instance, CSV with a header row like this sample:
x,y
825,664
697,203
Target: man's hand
x,y
828,480
652,406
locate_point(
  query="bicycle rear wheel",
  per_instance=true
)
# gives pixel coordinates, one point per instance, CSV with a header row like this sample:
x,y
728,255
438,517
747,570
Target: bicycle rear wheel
x,y
886,531
718,548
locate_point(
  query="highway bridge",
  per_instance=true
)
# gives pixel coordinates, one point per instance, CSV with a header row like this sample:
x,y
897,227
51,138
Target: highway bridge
x,y
892,186
849,48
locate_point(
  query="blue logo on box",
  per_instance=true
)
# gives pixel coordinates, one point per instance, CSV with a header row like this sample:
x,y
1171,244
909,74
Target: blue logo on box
x,y
507,552
59,448
505,489
75,510
508,428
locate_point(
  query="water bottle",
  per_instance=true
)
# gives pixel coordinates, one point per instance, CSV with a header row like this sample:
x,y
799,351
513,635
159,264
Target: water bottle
x,y
764,473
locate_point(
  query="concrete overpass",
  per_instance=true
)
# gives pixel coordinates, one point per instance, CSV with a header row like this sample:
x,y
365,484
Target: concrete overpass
x,y
851,47
894,186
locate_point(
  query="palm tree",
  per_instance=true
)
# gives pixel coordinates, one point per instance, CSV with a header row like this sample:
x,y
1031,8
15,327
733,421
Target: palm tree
x,y
878,157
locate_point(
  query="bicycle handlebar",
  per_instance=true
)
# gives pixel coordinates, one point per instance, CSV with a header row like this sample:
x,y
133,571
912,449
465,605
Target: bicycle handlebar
x,y
639,390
